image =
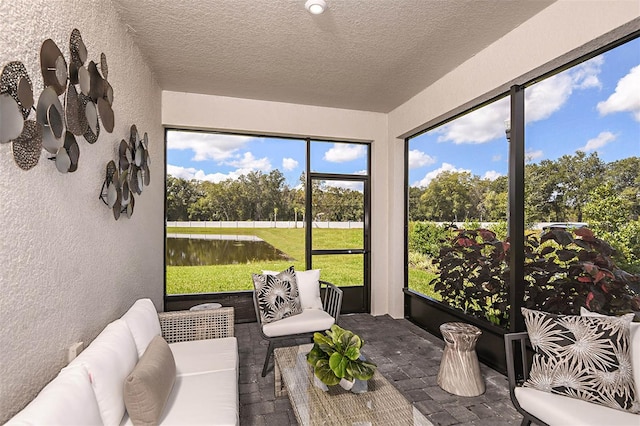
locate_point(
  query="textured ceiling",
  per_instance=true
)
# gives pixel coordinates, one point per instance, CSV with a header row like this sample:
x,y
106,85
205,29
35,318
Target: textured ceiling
x,y
368,55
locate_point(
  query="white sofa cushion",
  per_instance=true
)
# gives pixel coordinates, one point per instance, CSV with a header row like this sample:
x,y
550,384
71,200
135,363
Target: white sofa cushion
x,y
308,287
205,356
561,410
109,359
142,320
201,399
66,400
308,321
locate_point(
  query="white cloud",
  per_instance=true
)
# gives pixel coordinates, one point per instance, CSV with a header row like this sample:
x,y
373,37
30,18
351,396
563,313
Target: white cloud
x,y
419,159
289,164
491,175
354,186
532,155
542,100
206,146
626,96
599,141
342,152
479,126
248,162
191,173
496,158
445,167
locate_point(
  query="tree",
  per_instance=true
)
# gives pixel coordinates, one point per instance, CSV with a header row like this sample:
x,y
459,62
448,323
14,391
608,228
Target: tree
x,y
181,194
447,198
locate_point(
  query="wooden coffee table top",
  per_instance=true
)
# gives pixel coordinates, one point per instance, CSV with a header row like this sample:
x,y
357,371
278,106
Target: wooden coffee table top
x,y
383,404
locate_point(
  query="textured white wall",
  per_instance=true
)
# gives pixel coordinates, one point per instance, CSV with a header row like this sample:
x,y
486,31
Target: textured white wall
x,y
197,111
564,28
68,268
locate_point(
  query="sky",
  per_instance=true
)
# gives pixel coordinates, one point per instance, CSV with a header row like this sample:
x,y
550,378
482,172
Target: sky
x,y
593,107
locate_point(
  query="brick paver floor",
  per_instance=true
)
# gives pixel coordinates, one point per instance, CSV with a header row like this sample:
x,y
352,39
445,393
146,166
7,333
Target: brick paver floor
x,y
406,355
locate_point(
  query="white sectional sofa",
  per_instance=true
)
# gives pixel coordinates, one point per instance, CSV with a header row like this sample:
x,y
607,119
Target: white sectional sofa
x,y
127,375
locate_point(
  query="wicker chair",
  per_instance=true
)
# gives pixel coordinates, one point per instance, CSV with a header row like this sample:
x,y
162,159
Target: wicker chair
x,y
331,302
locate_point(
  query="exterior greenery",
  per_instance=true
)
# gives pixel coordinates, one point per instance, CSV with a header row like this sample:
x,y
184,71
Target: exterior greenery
x,y
258,196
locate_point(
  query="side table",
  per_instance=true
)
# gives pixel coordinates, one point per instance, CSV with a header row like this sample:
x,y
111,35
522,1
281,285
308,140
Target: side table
x,y
459,372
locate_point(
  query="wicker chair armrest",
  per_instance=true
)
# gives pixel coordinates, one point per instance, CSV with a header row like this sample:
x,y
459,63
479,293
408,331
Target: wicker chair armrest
x,y
181,326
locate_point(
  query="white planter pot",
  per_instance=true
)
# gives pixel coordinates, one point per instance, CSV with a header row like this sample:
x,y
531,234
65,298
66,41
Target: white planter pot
x,y
346,385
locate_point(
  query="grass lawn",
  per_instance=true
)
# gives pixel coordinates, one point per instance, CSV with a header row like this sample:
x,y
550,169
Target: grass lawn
x,y
341,270
419,281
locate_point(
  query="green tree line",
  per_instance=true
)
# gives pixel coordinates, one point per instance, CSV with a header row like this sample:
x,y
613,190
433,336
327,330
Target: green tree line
x,y
561,190
259,196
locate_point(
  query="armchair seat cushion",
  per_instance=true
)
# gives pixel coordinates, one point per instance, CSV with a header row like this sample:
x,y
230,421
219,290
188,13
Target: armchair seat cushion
x,y
562,410
308,321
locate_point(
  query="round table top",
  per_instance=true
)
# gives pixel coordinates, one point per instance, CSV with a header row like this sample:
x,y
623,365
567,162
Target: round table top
x,y
205,306
460,328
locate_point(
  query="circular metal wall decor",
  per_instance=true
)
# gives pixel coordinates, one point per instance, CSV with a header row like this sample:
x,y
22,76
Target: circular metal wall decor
x,y
118,191
11,121
28,146
77,48
53,66
71,146
15,81
103,65
106,115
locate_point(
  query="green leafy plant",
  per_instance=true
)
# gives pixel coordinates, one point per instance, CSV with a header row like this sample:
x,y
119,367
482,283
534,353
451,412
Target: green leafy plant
x,y
336,355
563,271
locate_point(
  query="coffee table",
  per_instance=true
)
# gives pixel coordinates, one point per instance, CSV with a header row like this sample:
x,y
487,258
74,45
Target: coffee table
x,y
382,404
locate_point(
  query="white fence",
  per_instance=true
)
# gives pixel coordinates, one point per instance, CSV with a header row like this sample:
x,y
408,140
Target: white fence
x,y
264,224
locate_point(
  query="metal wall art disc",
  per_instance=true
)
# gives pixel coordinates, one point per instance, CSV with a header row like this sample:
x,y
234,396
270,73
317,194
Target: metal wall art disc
x,y
106,114
73,150
84,78
133,180
112,195
145,141
126,193
63,162
139,158
124,156
11,121
25,93
129,210
117,207
103,65
54,118
73,73
133,137
93,129
77,48
53,66
28,146
15,81
76,119
49,99
108,92
147,175
110,172
96,91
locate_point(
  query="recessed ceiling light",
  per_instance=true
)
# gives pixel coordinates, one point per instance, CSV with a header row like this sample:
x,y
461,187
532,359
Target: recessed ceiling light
x,y
315,7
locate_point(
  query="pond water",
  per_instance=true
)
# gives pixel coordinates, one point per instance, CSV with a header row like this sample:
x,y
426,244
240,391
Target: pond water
x,y
209,249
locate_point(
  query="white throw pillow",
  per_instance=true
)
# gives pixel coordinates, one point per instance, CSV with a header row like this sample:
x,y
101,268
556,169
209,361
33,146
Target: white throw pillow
x,y
66,400
308,287
142,320
109,359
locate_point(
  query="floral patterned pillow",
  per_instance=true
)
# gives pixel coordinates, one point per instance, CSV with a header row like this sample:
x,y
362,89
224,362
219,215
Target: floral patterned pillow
x,y
582,357
277,295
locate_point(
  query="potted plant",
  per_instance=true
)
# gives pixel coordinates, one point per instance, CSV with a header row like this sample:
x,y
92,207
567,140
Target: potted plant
x,y
336,359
